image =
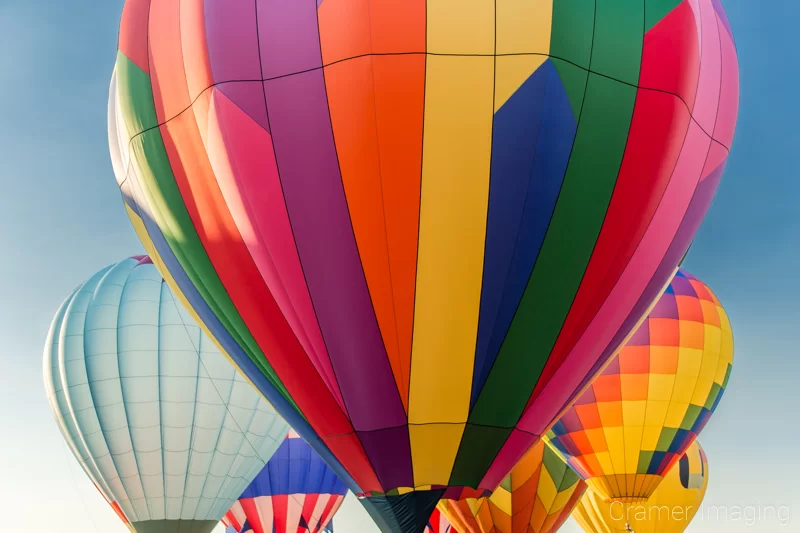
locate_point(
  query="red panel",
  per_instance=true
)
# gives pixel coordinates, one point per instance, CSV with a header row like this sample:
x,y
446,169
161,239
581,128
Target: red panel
x,y
133,32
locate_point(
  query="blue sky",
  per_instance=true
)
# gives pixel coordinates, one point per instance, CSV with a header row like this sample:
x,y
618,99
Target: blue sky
x,y
61,220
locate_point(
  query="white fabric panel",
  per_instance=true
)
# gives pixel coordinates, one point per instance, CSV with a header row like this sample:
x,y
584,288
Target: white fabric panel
x,y
159,419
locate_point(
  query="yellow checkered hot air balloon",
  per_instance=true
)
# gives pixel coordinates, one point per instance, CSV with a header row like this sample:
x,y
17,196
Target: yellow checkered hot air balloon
x,y
669,510
646,408
536,497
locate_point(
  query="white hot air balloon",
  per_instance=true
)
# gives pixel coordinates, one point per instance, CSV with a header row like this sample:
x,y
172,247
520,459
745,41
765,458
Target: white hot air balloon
x,y
167,430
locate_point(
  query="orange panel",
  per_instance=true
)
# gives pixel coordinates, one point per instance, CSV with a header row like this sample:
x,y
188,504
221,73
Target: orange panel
x,y
376,106
664,331
607,388
589,416
634,387
663,360
634,360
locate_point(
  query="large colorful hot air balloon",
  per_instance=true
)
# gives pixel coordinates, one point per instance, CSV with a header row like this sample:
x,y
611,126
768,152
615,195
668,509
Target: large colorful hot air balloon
x,y
647,407
296,491
536,497
670,509
161,422
418,226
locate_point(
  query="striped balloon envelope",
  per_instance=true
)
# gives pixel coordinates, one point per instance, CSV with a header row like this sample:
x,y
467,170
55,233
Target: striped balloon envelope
x,y
295,492
648,406
670,509
418,226
536,497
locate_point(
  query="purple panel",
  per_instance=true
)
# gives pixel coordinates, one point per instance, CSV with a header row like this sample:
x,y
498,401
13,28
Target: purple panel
x,y
613,367
249,97
642,335
312,186
682,286
666,307
587,397
571,422
289,37
232,39
389,452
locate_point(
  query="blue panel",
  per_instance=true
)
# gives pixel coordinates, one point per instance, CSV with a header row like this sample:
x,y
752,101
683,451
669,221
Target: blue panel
x,y
526,175
295,469
655,462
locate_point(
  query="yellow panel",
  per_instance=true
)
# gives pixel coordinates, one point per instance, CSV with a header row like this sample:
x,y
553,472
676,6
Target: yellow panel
x,y
502,499
684,388
604,458
597,439
722,371
512,71
712,338
523,26
689,361
561,500
675,414
655,413
455,189
708,367
660,387
454,28
616,448
650,436
702,390
633,412
433,452
547,491
633,443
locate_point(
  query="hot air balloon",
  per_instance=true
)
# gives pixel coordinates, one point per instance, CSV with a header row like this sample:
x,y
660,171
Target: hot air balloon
x,y
647,407
161,422
438,523
418,226
670,509
296,491
536,497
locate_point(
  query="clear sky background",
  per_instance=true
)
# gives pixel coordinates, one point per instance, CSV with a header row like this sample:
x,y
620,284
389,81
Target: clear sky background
x,y
61,219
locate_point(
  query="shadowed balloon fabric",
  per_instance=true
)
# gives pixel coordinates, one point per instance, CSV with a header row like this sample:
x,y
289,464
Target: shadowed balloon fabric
x,y
419,227
670,509
438,523
161,422
647,407
536,497
296,491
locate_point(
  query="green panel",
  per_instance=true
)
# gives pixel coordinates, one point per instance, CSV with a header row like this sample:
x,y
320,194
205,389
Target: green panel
x,y
135,96
553,464
666,439
655,10
572,29
727,377
574,80
691,417
479,447
506,483
716,390
645,458
618,36
579,213
169,212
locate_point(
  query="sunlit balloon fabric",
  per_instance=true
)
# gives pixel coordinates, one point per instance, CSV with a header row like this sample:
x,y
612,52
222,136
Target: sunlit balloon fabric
x,y
669,510
295,492
161,422
438,523
536,497
421,224
650,403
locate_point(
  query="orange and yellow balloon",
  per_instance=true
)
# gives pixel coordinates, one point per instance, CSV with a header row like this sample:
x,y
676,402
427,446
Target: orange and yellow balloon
x,y
536,497
669,510
647,407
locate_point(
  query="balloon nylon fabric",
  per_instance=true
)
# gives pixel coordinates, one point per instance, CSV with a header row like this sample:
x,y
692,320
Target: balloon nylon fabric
x,y
536,497
647,407
296,491
161,422
418,226
670,509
